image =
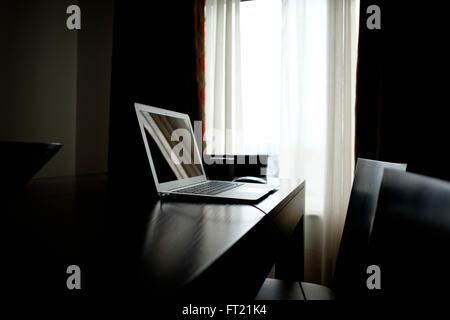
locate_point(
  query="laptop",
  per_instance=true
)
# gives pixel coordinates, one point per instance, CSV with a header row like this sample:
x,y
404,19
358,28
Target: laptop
x,y
176,162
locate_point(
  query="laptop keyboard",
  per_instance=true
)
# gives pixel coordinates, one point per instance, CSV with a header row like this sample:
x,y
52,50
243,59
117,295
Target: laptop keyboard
x,y
210,187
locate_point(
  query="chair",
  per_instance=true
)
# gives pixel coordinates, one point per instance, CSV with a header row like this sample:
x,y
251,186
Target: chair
x,y
355,239
411,237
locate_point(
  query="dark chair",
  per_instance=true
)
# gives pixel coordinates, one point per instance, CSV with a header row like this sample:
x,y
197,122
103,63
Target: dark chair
x,y
355,239
411,237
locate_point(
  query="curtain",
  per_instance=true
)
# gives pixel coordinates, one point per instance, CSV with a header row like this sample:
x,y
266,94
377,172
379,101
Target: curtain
x,y
319,47
315,110
223,102
371,117
199,47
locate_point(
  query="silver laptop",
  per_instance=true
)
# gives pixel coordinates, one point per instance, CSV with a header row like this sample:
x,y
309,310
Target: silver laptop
x,y
176,162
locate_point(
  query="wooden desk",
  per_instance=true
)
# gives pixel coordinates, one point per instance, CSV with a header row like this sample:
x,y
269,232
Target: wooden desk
x,y
127,241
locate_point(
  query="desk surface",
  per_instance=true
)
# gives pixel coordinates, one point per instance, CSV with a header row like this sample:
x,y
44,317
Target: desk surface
x,y
115,231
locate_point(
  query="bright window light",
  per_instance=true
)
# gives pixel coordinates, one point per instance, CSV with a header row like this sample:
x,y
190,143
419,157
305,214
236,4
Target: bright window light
x,y
261,75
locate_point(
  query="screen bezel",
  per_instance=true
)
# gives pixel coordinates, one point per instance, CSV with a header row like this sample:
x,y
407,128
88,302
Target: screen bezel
x,y
167,186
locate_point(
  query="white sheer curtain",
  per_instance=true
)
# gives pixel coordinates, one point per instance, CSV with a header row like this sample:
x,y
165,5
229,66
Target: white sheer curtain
x,y
223,102
315,110
319,47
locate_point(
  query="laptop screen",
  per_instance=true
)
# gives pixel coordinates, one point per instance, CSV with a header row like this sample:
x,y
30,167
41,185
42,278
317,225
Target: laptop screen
x,y
172,146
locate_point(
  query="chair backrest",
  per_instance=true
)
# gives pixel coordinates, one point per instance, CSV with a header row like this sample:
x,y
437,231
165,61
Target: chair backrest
x,y
349,270
411,237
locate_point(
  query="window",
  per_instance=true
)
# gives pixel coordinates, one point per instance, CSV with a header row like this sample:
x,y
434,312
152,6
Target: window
x,y
261,75
283,72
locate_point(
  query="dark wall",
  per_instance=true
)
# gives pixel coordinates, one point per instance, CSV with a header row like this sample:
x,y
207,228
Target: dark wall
x,y
38,78
93,85
153,63
402,94
55,82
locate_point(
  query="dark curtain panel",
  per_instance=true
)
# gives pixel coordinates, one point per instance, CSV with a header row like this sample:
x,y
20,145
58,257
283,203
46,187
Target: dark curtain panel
x,y
199,20
402,87
154,62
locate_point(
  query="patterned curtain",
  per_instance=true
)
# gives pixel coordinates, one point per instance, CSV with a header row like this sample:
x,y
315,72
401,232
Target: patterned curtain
x,y
199,44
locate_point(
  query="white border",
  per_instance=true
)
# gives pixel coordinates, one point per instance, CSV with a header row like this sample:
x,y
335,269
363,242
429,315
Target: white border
x,y
167,186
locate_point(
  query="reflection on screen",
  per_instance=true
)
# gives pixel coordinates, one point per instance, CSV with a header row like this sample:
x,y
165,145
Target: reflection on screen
x,y
172,147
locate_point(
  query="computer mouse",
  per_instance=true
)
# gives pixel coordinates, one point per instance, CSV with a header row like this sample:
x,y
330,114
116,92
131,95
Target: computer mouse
x,y
250,179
